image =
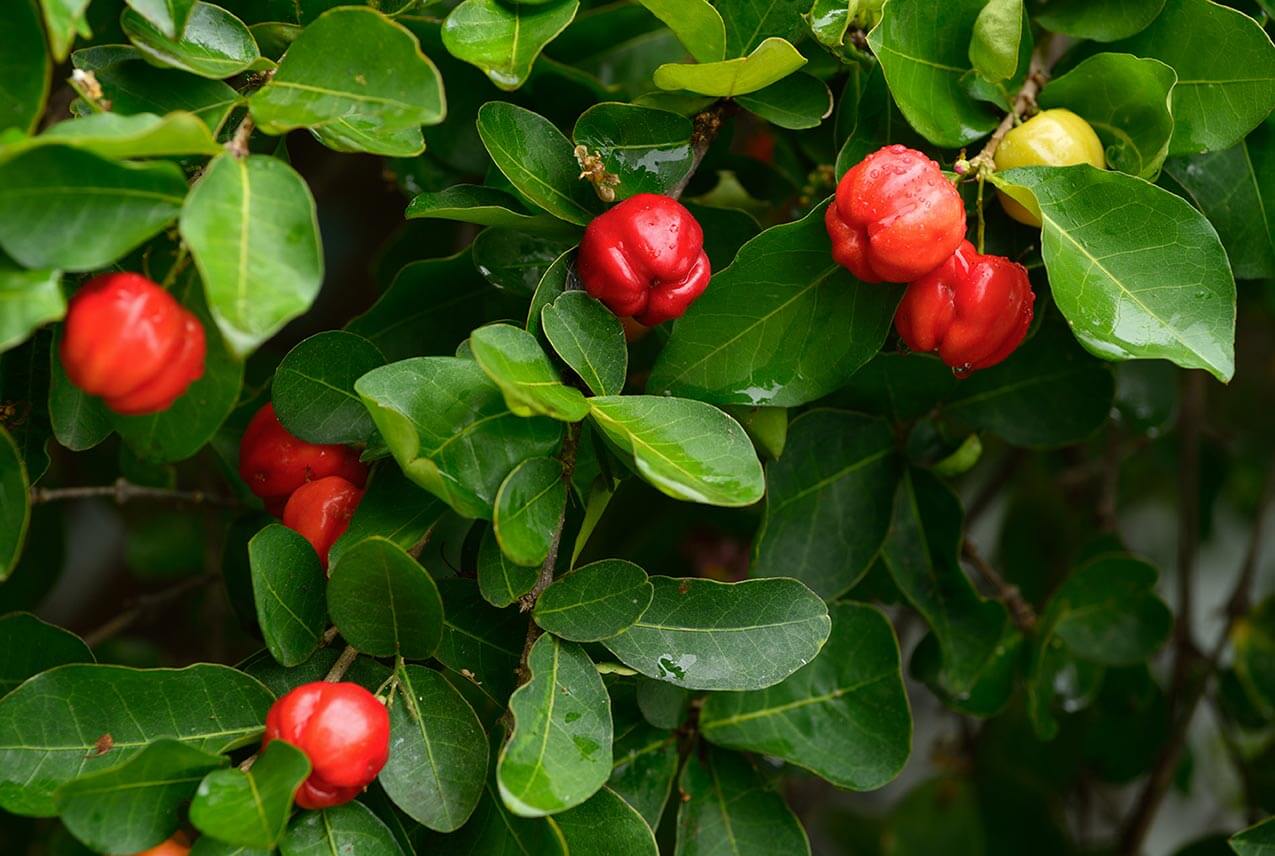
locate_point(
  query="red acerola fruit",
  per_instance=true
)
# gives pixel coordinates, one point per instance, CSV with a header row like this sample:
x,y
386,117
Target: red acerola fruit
x,y
895,217
645,259
320,511
274,463
974,310
130,342
342,729
177,845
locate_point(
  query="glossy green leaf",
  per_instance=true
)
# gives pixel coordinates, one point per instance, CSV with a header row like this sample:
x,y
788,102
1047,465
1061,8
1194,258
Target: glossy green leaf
x,y
994,44
648,150
485,206
313,388
705,635
515,261
1097,19
697,25
844,716
438,751
604,825
1114,245
364,133
252,228
24,67
501,580
206,845
1257,840
798,101
355,66
392,508
50,726
64,20
133,86
503,39
167,16
688,449
1107,612
559,753
828,501
364,671
133,136
767,426
214,44
479,641
782,326
32,646
771,61
138,804
251,808
750,23
589,339
726,801
868,118
384,602
537,160
45,192
529,510
594,602
28,300
288,588
514,360
348,828
1254,641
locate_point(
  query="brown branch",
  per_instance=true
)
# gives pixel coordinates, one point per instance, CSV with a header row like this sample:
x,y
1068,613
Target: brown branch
x,y
342,664
1022,612
143,604
125,491
237,145
1043,58
707,125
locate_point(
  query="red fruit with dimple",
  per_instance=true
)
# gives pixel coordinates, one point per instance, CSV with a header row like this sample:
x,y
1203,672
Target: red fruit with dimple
x,y
320,512
974,310
895,217
130,342
274,463
645,259
342,729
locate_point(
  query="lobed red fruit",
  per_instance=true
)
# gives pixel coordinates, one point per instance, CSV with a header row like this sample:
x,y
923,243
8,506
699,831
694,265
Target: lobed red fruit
x,y
645,259
177,845
130,342
274,463
974,310
321,510
342,729
895,217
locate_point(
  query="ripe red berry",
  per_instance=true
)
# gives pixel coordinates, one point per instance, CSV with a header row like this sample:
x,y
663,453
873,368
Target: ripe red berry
x,y
974,310
895,217
274,463
130,342
320,511
342,729
176,845
645,259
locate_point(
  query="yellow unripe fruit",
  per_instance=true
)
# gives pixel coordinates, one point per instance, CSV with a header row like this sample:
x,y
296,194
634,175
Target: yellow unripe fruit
x,y
1052,138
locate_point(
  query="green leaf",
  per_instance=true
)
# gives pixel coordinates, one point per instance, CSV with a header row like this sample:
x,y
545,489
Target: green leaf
x,y
844,717
437,412
28,300
392,508
994,45
15,510
215,44
133,136
559,753
1133,120
79,420
384,603
688,449
514,261
438,751
704,635
492,829
529,510
206,845
46,192
1107,612
136,805
749,23
313,388
32,646
133,86
50,726
1253,638
771,61
252,228
868,118
828,501
1221,95
726,801
364,671
514,360
64,20
502,581
288,588
646,762
604,825
1099,20
368,134
559,278
167,16
504,40
480,640
648,150
24,380
1257,840
798,101
24,68
924,51
350,828
356,68
782,326
485,206
251,807
589,339
537,160
594,602
939,813
1113,245
697,25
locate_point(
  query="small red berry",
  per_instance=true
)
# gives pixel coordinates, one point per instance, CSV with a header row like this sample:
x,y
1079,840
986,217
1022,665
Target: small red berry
x,y
176,845
974,310
645,259
895,217
273,463
342,729
130,342
320,511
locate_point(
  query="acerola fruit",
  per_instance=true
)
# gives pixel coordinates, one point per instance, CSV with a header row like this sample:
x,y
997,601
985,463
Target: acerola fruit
x,y
130,342
895,218
1053,138
645,259
274,463
342,729
177,845
320,511
974,310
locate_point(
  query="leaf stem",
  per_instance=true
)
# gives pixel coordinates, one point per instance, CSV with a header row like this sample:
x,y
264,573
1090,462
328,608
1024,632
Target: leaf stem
x,y
707,126
125,491
342,664
1019,609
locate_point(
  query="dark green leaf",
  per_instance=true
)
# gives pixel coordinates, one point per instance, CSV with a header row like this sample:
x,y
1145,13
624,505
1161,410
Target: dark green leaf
x,y
251,808
15,510
749,23
938,814
214,44
504,39
479,642
502,581
384,602
133,86
127,136
493,830
392,508
313,388
485,206
288,588
645,765
589,339
727,802
558,279
30,646
168,16
24,67
604,825
364,671
350,828
697,25
798,101
594,602
514,360
529,510
648,150
1097,19
1256,840
1254,640
771,61
514,261
1107,612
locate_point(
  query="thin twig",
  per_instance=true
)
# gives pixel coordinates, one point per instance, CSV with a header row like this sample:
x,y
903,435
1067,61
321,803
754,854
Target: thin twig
x,y
707,126
1019,609
1043,58
143,604
125,491
237,145
342,664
